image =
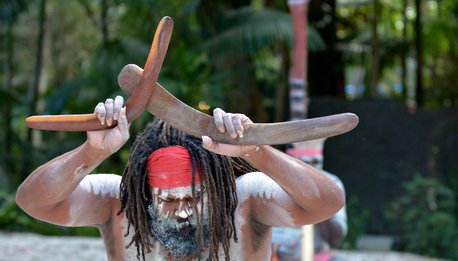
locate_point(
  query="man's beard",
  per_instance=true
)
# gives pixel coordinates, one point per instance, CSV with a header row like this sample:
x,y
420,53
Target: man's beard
x,y
177,237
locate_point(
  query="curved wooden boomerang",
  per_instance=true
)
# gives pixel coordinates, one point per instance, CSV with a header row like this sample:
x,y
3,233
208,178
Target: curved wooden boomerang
x,y
183,117
134,106
146,92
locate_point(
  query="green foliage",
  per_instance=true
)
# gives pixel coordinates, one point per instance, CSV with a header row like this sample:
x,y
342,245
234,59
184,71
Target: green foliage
x,y
222,53
12,218
452,179
357,222
246,31
396,44
424,218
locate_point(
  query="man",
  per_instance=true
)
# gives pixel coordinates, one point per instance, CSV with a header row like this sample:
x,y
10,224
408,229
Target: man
x,y
181,197
286,242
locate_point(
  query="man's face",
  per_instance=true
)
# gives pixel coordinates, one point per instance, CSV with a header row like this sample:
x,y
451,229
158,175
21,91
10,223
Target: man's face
x,y
173,222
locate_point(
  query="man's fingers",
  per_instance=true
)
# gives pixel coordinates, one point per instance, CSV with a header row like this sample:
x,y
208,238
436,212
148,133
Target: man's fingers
x,y
237,122
109,111
118,105
100,111
242,119
218,117
123,125
208,143
228,123
245,120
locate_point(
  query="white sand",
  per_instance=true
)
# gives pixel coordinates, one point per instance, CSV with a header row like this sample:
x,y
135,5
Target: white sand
x,y
32,247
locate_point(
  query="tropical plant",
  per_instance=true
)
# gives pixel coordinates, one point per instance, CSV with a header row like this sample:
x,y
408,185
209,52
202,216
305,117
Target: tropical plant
x,y
424,218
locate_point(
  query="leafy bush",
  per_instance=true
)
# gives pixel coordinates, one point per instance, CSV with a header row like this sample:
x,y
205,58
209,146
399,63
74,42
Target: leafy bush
x,y
424,218
357,220
12,218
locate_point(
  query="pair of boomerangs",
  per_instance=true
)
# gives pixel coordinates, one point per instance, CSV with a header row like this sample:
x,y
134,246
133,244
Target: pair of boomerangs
x,y
146,93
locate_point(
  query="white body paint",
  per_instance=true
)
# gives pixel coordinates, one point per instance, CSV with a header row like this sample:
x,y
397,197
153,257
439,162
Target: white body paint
x,y
249,185
99,185
260,186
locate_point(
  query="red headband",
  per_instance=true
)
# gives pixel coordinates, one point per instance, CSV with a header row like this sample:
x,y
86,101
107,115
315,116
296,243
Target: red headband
x,y
170,167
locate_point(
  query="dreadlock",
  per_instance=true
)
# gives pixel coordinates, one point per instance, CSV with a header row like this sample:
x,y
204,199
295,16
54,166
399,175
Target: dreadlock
x,y
219,182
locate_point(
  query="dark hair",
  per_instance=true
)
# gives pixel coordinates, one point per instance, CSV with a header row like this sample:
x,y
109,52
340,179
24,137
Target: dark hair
x,y
219,172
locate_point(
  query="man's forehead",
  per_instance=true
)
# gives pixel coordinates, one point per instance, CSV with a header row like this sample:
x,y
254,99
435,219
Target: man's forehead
x,y
179,192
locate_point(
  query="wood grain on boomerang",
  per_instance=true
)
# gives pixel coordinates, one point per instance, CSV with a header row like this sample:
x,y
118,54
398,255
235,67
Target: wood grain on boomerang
x,y
165,106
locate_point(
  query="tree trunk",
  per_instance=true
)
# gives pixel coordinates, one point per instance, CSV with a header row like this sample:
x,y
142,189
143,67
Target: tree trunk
x,y
404,52
98,22
325,70
375,68
35,85
104,24
280,89
419,54
7,86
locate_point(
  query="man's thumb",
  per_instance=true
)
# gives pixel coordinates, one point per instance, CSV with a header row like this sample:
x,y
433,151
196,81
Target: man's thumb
x,y
208,143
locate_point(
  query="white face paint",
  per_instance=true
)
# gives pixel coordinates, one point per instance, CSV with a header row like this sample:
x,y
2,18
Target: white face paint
x,y
178,193
177,202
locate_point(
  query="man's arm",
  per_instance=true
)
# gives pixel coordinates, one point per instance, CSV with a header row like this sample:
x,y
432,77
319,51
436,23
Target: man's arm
x,y
291,193
304,192
334,229
60,191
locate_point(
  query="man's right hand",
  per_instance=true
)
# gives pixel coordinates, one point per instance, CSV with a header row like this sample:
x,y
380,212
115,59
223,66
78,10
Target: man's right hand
x,y
110,140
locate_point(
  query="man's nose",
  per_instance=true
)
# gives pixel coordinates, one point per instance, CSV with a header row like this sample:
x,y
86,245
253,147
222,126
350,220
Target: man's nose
x,y
184,210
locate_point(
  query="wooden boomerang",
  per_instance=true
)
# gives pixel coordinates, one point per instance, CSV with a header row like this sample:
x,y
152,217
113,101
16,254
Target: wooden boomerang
x,y
183,117
134,106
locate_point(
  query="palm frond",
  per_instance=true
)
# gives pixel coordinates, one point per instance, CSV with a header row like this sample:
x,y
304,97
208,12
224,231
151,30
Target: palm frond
x,y
245,31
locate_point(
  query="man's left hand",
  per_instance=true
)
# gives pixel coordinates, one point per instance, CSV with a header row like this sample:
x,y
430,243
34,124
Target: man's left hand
x,y
230,123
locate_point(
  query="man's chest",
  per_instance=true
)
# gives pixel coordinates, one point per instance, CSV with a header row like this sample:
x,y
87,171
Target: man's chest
x,y
254,241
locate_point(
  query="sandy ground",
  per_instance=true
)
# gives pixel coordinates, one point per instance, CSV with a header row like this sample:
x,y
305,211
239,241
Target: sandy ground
x,y
28,247
32,247
381,256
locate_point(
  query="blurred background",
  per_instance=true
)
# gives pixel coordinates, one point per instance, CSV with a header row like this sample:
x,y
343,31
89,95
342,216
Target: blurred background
x,y
392,62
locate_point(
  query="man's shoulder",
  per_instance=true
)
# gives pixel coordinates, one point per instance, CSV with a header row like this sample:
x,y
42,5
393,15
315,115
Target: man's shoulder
x,y
102,184
251,176
255,184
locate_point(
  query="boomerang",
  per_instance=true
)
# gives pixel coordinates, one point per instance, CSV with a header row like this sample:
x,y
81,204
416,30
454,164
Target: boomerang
x,y
146,93
185,118
134,106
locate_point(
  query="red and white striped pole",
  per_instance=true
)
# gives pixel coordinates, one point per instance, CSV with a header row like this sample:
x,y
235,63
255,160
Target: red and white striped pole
x,y
298,97
298,71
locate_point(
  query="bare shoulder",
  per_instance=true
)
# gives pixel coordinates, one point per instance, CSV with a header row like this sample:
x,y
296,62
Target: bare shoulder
x,y
90,204
265,200
104,185
257,184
